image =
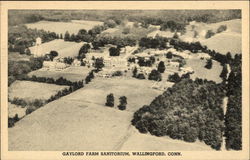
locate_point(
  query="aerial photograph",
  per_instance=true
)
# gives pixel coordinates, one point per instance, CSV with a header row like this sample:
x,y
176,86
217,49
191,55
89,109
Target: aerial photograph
x,y
124,80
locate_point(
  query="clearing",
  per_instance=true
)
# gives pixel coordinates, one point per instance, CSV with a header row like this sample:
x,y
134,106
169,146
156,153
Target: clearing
x,y
33,90
64,48
71,73
201,72
72,27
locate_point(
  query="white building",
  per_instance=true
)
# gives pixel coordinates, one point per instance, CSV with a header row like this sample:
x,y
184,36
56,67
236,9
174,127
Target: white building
x,y
38,47
54,65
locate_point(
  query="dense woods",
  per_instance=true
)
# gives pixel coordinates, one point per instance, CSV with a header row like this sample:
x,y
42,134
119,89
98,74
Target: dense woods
x,y
190,111
19,69
154,17
233,117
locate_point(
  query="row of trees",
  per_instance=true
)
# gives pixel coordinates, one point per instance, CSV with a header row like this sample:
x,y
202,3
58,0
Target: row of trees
x,y
184,114
157,42
110,100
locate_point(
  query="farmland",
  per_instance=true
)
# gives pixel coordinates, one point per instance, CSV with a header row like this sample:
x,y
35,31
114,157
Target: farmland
x,y
52,124
132,88
201,72
71,27
33,90
64,48
72,74
226,41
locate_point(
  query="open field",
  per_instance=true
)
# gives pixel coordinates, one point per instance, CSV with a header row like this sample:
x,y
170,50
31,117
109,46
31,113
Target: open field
x,y
137,33
138,92
201,72
33,90
166,34
64,48
226,41
71,73
71,27
87,123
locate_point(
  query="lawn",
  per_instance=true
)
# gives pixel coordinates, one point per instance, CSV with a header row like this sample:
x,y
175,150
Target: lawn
x,y
33,90
71,27
201,72
138,92
64,49
72,73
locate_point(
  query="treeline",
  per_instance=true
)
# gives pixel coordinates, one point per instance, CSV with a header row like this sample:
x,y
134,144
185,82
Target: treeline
x,y
233,117
157,42
59,81
20,38
154,17
19,69
100,40
190,111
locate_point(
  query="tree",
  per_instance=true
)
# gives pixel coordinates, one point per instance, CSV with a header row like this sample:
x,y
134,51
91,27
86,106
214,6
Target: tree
x,y
83,51
221,28
61,36
224,72
123,103
110,23
114,51
209,64
174,78
169,55
140,76
27,51
66,36
99,64
155,75
110,100
134,72
53,54
229,57
209,34
161,67
175,36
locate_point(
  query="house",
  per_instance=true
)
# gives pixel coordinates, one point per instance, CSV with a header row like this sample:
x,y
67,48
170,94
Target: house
x,y
172,65
76,62
115,62
204,56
